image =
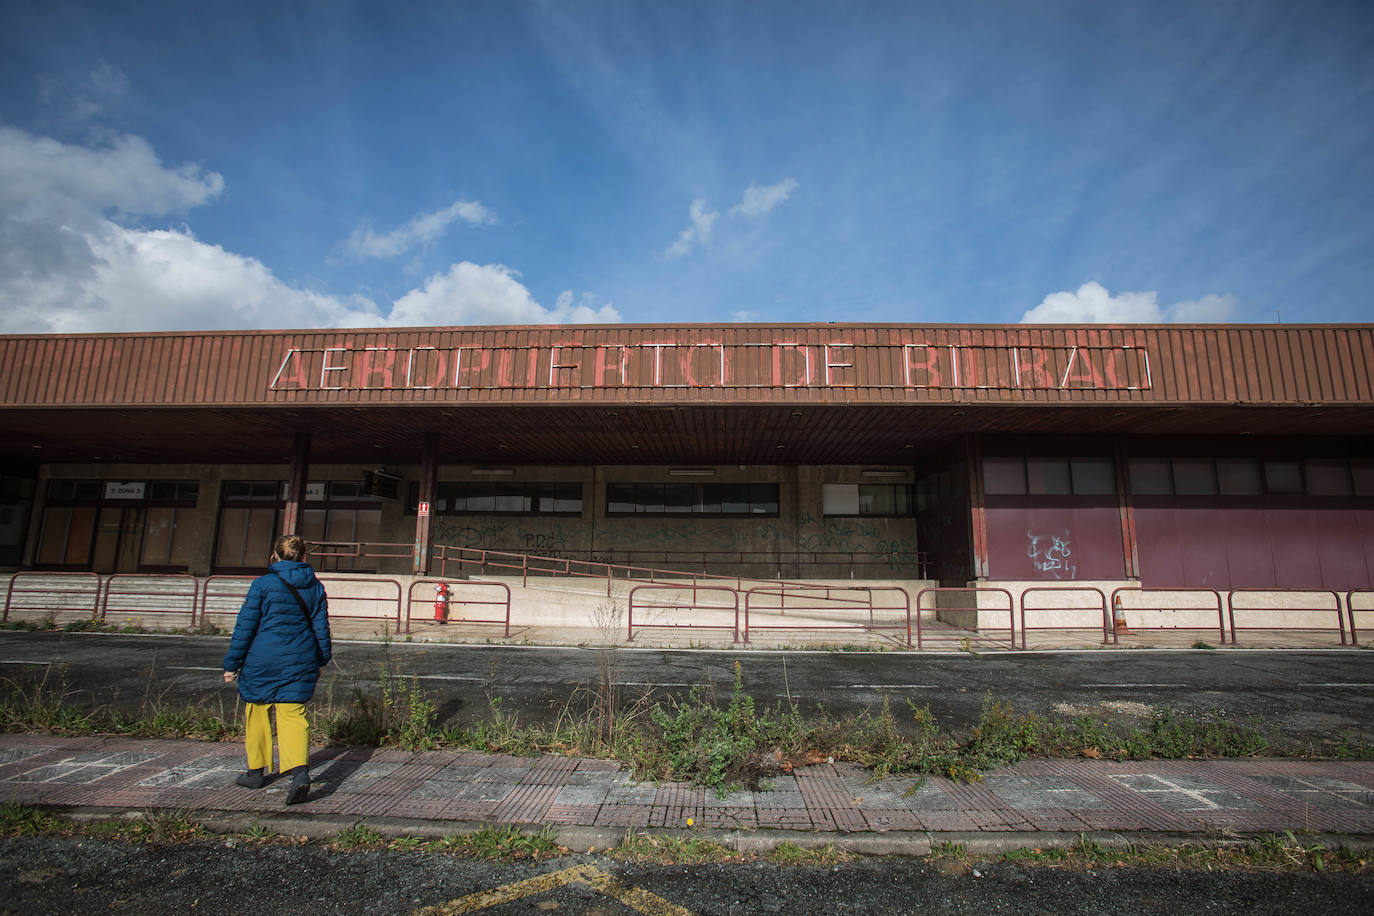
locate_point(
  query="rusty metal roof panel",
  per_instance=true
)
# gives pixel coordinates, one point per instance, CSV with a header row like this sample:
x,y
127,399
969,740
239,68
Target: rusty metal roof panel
x,y
702,364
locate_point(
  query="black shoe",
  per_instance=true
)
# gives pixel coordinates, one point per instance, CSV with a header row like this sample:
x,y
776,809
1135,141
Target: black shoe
x,y
253,779
299,789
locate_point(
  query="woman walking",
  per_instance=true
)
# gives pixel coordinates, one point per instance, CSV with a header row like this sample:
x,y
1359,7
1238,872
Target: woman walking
x,y
280,642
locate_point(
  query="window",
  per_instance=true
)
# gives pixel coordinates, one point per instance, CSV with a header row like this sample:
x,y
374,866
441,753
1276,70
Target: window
x,y
1004,476
1282,477
878,499
1039,476
1239,477
1327,477
1195,477
692,499
73,492
502,499
1151,477
1048,476
1362,471
252,491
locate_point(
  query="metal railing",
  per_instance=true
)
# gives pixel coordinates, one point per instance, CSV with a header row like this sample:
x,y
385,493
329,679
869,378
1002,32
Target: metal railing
x,y
140,594
950,636
1108,632
678,605
1172,605
826,599
1351,610
525,565
54,593
464,585
1335,608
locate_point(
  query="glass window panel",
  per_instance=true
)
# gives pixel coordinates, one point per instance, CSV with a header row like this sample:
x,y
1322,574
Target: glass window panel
x,y
481,498
708,499
1048,476
341,526
620,497
1093,476
368,525
313,525
840,498
876,499
233,537
235,490
734,498
1239,477
1004,476
568,498
512,499
1282,477
763,498
1151,477
1362,470
1327,477
158,532
650,498
678,498
1195,477
52,544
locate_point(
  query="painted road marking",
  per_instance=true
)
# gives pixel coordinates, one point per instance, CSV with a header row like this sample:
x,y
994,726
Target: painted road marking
x,y
886,686
25,661
635,898
448,677
1139,685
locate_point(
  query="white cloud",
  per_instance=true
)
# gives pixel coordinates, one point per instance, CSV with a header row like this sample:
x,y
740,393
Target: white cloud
x,y
1093,304
698,231
487,294
39,175
69,263
758,201
421,230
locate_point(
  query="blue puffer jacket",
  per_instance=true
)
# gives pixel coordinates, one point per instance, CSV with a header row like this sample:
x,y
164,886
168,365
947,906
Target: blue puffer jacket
x,y
275,649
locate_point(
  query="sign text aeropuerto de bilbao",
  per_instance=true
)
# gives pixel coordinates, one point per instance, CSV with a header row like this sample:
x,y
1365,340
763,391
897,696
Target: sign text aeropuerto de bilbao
x,y
838,364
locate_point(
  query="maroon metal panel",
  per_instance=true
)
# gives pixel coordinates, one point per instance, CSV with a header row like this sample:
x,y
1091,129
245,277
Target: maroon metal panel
x,y
1054,543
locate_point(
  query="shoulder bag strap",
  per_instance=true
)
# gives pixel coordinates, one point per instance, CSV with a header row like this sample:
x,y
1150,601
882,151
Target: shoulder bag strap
x,y
300,602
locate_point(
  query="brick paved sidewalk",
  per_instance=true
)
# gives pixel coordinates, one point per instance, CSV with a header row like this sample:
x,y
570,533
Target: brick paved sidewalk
x,y
1209,797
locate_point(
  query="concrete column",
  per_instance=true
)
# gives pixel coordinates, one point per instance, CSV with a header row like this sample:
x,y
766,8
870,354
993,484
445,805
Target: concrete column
x,y
429,492
973,455
294,513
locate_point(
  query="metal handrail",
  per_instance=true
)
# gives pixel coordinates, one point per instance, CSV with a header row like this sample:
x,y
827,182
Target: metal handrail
x,y
10,592
1231,608
784,592
630,609
1350,610
1010,609
1221,619
462,583
112,591
1106,626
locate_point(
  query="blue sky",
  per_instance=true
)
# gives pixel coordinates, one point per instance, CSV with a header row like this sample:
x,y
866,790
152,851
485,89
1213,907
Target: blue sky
x,y
178,166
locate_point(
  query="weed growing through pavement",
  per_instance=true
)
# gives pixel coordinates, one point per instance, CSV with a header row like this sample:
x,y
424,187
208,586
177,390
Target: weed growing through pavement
x,y
505,843
358,836
670,849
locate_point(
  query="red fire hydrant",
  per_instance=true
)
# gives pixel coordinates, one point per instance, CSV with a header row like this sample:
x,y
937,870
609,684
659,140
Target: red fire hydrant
x,y
441,603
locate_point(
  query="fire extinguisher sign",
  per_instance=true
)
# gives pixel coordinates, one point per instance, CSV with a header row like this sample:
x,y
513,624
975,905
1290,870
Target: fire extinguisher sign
x,y
424,510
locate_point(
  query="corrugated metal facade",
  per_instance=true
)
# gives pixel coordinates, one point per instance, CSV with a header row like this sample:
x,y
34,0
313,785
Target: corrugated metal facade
x,y
721,365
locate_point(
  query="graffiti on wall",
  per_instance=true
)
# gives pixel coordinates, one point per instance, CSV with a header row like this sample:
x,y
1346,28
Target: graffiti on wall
x,y
1052,554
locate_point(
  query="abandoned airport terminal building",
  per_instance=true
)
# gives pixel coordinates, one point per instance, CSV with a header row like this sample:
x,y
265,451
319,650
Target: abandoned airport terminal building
x,y
1211,457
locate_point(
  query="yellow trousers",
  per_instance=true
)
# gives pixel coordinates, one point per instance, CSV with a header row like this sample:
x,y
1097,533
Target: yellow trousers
x,y
293,736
